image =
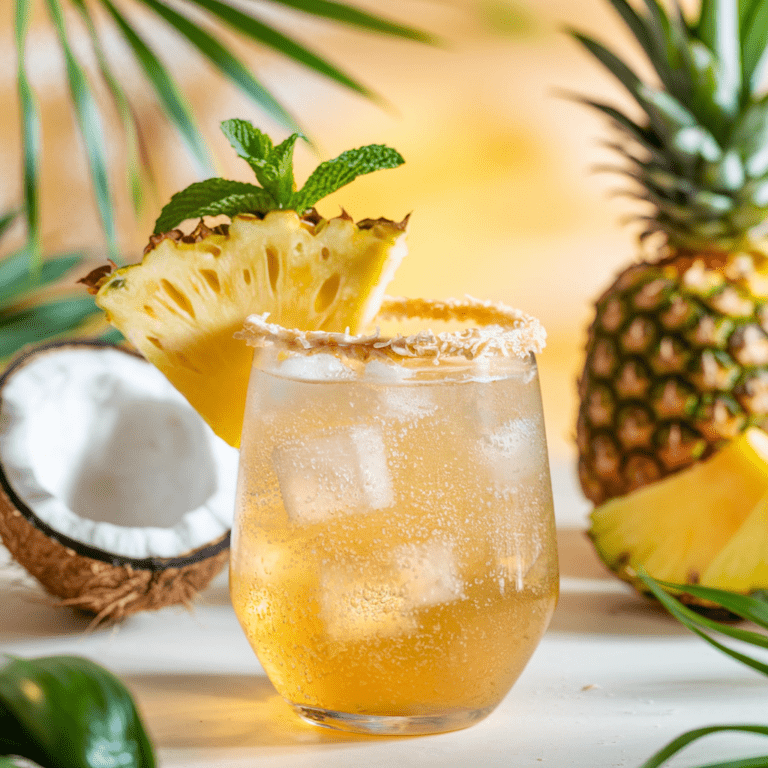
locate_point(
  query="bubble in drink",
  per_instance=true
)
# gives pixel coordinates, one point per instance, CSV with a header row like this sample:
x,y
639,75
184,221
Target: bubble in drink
x,y
335,472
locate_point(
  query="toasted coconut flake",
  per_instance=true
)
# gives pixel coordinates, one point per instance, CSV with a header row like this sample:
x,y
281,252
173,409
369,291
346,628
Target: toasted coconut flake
x,y
496,330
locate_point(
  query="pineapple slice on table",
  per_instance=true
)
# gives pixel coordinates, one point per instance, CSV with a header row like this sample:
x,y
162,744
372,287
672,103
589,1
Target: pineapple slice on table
x,y
742,564
692,527
677,355
181,306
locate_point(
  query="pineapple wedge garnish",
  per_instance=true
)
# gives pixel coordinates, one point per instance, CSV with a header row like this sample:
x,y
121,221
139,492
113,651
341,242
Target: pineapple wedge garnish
x,y
181,306
682,528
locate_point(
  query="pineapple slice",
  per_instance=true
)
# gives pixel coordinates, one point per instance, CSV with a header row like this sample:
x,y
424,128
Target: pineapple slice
x,y
181,306
742,564
678,528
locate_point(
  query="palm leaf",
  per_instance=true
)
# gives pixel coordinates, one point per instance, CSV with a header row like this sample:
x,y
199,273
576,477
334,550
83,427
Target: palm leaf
x,y
26,317
358,18
169,95
134,166
261,33
89,123
683,741
30,131
41,322
747,607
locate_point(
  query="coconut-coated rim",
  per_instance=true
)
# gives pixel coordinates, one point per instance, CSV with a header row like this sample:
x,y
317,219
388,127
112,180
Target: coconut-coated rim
x,y
496,330
155,564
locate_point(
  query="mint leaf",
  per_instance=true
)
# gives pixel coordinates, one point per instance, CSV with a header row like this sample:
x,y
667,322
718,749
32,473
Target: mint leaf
x,y
282,158
334,174
249,142
213,197
272,165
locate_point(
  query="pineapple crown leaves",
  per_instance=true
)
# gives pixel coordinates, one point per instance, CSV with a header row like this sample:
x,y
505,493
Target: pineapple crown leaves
x,y
704,130
273,166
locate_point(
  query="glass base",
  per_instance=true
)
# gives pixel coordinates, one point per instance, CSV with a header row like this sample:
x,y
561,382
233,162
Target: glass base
x,y
391,725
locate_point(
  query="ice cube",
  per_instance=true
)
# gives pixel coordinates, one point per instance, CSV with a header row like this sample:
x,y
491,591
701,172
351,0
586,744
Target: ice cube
x,y
356,607
428,574
510,451
334,472
386,372
407,404
318,367
384,600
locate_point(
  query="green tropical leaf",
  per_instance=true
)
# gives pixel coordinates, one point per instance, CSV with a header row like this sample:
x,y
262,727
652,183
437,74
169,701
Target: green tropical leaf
x,y
69,706
6,220
220,56
43,321
642,32
174,104
30,130
89,123
18,278
642,135
683,741
698,624
266,35
349,15
134,166
748,607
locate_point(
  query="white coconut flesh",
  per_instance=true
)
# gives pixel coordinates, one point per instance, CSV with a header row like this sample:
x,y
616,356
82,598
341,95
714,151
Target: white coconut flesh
x,y
102,451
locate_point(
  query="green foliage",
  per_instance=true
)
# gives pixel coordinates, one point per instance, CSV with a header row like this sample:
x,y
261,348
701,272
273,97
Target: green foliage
x,y
27,314
199,22
67,712
750,608
273,166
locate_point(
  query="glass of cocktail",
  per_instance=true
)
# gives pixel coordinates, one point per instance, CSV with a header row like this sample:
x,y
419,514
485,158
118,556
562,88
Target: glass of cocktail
x,y
393,557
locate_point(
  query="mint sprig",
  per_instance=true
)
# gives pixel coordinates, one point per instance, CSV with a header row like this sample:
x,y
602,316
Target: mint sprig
x,y
273,167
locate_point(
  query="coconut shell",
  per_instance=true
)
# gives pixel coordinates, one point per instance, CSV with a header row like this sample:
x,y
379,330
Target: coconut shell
x,y
107,585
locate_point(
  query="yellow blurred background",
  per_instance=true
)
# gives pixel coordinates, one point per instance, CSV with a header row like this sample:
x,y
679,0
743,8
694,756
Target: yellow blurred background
x,y
497,177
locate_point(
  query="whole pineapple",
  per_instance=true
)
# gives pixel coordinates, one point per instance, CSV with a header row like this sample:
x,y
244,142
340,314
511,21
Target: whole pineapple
x,y
677,356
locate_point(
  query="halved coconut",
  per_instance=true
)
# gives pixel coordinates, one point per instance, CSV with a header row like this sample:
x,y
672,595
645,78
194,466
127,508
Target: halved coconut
x,y
114,494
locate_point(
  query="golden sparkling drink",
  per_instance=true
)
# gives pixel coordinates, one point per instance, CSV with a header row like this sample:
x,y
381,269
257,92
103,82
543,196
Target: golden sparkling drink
x,y
393,558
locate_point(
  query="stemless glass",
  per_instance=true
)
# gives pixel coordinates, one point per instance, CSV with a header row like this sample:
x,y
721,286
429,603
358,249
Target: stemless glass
x,y
393,556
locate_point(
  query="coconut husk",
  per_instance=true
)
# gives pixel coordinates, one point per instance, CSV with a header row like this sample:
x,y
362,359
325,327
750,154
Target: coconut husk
x,y
109,591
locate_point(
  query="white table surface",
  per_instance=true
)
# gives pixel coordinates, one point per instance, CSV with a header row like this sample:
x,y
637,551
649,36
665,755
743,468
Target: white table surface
x,y
613,680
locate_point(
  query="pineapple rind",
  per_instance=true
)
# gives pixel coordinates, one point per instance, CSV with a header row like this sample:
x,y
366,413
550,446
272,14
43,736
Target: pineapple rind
x,y
183,304
699,371
675,528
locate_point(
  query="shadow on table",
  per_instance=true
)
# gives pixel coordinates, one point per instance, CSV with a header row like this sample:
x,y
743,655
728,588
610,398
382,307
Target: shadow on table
x,y
28,612
593,601
185,711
